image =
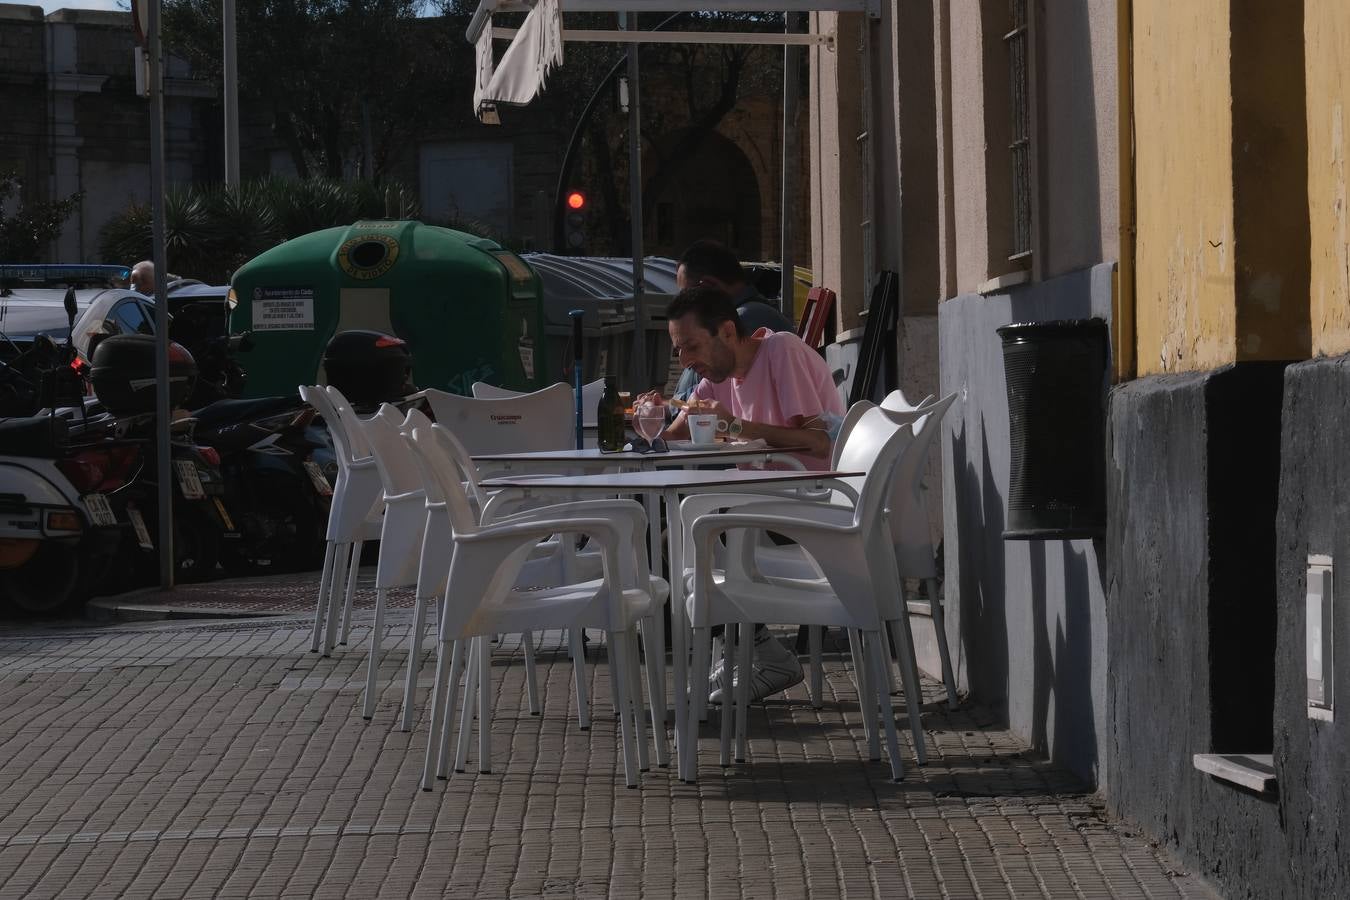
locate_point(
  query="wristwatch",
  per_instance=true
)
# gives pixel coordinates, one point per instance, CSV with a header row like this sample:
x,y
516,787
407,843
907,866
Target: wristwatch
x,y
735,428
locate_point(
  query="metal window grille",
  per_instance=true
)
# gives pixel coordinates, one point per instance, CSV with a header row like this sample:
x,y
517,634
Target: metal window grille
x,y
1020,147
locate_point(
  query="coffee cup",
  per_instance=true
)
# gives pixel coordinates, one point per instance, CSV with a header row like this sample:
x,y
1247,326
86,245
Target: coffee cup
x,y
702,428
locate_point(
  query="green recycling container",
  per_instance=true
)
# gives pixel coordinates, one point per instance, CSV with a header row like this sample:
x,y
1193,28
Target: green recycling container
x,y
469,309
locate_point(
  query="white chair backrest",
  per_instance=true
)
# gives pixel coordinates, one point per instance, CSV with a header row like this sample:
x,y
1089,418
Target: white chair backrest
x,y
874,444
895,402
440,475
467,471
383,432
351,424
481,390
590,396
543,420
318,398
909,513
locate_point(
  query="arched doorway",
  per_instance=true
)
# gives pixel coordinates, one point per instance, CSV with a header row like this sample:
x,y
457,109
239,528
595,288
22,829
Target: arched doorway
x,y
701,186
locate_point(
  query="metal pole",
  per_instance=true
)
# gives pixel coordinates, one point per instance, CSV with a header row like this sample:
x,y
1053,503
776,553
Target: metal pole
x,y
231,93
577,360
787,293
162,473
640,374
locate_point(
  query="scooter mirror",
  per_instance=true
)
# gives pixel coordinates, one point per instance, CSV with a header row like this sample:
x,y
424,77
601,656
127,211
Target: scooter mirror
x,y
72,310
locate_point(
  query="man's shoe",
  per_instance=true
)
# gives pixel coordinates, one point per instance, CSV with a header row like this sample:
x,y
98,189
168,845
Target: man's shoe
x,y
774,668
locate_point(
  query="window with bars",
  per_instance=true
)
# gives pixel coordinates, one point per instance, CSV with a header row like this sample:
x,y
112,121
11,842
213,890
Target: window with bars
x,y
1018,43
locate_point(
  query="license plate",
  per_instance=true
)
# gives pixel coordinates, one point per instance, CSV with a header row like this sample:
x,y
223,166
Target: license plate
x,y
188,481
99,510
320,480
224,516
138,525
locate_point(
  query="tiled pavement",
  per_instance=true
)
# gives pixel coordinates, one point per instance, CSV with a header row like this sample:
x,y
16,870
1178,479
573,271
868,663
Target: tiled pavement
x,y
178,759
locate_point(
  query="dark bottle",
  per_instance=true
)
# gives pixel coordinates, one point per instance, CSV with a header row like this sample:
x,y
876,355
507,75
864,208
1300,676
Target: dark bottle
x,y
609,417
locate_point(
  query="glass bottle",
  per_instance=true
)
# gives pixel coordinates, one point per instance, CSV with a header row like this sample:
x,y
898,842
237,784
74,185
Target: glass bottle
x,y
609,417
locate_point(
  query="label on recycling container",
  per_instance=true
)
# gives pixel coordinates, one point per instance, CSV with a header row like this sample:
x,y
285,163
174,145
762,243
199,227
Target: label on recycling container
x,y
283,309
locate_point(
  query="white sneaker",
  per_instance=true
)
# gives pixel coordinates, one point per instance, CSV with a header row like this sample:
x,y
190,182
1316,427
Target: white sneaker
x,y
774,668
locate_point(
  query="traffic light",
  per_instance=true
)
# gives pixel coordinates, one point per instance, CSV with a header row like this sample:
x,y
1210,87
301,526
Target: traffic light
x,y
575,220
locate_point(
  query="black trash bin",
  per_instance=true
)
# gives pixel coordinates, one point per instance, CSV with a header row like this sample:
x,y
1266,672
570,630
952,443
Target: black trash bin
x,y
1056,375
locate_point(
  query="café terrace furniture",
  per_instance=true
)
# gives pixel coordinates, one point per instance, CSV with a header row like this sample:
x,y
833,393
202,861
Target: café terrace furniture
x,y
859,591
486,559
353,516
671,485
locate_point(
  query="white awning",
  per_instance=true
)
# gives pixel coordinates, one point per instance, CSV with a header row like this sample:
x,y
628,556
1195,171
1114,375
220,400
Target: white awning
x,y
535,49
537,46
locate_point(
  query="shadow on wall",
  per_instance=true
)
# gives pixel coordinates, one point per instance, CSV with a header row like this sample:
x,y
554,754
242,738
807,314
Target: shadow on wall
x,y
983,617
1075,734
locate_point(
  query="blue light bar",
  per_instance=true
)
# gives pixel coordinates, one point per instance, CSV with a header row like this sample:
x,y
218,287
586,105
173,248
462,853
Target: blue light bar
x,y
59,276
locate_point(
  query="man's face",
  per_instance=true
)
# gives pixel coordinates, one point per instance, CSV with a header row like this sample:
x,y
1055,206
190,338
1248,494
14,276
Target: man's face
x,y
708,354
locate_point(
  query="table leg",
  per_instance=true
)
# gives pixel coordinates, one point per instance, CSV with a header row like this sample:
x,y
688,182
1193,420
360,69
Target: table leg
x,y
652,502
679,633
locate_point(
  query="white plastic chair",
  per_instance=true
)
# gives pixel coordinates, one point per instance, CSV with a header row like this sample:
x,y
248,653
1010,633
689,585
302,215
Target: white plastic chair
x,y
790,561
479,601
543,420
860,590
590,397
895,402
353,516
914,552
434,566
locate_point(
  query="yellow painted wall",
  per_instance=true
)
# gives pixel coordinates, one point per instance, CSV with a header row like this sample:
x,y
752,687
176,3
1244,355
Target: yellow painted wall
x,y
1184,281
1327,31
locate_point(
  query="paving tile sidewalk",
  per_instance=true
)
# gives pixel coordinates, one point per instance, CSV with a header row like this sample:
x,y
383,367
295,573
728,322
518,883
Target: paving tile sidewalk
x,y
270,595
182,759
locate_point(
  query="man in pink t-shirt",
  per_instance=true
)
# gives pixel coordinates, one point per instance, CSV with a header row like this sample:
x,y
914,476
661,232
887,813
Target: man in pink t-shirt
x,y
768,386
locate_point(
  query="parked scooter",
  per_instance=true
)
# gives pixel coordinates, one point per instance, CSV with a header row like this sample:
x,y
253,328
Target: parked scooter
x,y
58,530
276,488
122,376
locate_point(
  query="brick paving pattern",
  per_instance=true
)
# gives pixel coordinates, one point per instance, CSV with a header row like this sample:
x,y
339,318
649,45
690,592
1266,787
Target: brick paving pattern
x,y
182,759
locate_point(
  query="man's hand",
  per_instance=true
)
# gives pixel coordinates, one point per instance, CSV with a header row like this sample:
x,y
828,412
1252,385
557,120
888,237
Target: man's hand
x,y
704,407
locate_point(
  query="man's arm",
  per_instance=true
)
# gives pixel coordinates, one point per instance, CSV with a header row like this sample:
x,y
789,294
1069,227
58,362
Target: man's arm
x,y
812,437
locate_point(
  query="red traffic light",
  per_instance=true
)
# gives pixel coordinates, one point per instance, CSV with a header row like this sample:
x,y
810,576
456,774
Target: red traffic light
x,y
576,200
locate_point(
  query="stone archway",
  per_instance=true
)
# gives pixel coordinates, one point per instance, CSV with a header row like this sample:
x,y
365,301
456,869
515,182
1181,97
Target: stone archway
x,y
712,192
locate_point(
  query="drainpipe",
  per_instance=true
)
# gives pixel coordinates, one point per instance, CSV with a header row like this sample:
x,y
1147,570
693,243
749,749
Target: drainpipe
x,y
1123,311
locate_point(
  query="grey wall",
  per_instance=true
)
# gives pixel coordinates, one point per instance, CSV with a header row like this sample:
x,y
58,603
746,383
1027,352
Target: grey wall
x,y
1026,619
1312,758
1219,487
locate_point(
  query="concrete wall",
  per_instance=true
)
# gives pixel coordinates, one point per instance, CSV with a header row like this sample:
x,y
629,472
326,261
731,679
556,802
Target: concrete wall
x,y
1220,484
1326,27
1026,619
1312,758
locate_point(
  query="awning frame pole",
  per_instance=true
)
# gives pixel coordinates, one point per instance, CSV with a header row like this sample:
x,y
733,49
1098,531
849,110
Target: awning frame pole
x,y
639,367
680,37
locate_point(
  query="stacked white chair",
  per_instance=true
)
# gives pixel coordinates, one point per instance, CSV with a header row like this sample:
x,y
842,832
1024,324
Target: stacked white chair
x,y
353,517
851,546
914,552
486,561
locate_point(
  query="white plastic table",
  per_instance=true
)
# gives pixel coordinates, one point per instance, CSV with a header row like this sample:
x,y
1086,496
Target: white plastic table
x,y
670,484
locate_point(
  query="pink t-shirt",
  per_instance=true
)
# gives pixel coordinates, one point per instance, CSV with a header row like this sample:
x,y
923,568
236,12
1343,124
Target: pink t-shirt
x,y
786,379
